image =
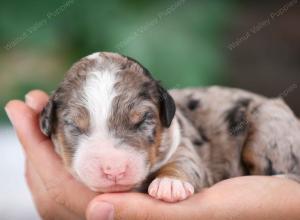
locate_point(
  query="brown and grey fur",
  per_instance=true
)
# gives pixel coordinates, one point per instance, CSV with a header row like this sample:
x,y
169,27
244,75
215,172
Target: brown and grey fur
x,y
240,133
224,132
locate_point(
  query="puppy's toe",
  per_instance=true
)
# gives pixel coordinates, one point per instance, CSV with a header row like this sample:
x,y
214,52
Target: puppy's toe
x,y
170,189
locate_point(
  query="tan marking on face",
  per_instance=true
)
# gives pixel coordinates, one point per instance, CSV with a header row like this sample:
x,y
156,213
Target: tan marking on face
x,y
135,117
66,152
82,119
154,149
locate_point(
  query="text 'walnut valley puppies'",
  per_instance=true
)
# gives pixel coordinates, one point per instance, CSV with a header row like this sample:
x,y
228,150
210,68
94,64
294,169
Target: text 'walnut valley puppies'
x,y
116,129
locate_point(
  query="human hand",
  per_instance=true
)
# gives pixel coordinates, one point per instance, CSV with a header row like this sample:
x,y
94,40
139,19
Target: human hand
x,y
57,195
245,198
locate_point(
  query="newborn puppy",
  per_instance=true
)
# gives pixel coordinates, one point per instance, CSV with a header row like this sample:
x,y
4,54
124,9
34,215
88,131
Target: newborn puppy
x,y
117,129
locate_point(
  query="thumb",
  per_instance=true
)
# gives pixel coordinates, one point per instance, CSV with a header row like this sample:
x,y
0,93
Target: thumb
x,y
136,206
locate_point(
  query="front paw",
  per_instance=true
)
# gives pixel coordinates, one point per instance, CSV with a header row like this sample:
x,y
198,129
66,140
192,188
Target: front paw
x,y
170,189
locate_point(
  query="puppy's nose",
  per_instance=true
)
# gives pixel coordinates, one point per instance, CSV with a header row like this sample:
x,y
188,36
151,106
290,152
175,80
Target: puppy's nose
x,y
114,173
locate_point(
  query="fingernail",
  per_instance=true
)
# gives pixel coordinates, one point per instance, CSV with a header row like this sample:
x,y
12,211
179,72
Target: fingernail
x,y
102,211
8,114
29,100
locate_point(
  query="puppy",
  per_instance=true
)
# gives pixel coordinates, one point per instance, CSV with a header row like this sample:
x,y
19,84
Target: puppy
x,y
117,129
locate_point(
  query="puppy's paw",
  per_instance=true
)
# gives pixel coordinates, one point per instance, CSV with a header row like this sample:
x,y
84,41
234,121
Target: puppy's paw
x,y
170,189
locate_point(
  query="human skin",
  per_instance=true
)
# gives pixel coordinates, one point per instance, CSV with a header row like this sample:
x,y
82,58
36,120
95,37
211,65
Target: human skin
x,y
57,195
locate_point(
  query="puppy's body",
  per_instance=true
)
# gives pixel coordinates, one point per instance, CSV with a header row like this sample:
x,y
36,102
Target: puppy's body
x,y
116,130
239,133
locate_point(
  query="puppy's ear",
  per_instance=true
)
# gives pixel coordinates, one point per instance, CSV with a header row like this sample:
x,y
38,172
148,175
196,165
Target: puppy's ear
x,y
47,117
167,107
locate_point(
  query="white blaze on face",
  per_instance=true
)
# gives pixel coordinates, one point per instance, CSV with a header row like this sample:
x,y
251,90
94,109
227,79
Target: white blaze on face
x,y
99,94
100,161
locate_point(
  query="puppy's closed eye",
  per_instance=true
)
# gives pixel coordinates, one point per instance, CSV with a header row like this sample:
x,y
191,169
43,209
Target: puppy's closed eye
x,y
73,128
77,121
138,118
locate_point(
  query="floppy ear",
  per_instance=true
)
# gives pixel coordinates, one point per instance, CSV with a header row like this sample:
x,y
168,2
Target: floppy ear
x,y
47,117
167,107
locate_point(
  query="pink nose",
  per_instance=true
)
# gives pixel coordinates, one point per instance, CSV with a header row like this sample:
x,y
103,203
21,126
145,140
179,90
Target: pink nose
x,y
114,173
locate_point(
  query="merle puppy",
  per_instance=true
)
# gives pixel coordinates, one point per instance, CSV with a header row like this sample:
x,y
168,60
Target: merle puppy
x,y
117,129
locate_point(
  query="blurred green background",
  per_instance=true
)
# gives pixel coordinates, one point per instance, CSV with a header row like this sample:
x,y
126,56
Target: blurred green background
x,y
182,42
178,41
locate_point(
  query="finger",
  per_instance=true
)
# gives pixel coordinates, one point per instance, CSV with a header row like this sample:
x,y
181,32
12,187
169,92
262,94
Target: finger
x,y
132,206
37,147
47,208
37,100
47,163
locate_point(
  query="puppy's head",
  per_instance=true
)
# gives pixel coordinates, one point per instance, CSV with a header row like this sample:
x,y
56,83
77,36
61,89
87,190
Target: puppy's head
x,y
107,121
